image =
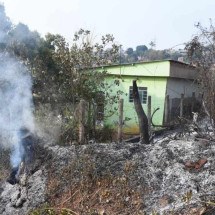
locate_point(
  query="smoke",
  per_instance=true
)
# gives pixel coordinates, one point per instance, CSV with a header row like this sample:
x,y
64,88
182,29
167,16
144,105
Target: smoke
x,y
5,25
48,125
16,107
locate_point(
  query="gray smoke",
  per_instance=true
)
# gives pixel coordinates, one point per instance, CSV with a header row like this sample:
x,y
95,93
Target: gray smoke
x,y
16,109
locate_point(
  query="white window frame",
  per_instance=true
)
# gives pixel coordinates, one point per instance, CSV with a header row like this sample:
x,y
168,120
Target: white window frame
x,y
143,93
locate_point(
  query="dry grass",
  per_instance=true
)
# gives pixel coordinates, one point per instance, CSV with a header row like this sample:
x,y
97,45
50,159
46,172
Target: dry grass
x,y
81,191
4,164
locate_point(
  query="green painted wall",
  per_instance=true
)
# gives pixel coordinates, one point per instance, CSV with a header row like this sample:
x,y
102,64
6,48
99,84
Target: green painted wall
x,y
148,75
156,68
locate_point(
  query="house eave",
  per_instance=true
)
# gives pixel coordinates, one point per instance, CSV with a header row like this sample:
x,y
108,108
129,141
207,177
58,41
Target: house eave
x,y
173,69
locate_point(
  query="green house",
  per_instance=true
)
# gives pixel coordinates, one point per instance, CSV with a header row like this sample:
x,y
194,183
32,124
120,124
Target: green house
x,y
165,81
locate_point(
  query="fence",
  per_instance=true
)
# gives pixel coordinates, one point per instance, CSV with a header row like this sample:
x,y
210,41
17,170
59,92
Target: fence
x,y
181,107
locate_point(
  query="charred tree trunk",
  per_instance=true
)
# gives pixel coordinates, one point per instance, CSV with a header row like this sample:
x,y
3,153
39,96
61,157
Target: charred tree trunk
x,y
142,118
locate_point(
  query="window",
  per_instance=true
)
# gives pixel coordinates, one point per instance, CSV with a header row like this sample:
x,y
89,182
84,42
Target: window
x,y
142,93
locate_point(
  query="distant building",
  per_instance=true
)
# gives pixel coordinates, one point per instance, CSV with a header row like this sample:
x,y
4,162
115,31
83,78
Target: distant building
x,y
181,59
165,81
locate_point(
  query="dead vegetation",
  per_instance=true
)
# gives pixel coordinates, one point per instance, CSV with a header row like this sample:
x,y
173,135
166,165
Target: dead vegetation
x,y
4,164
80,190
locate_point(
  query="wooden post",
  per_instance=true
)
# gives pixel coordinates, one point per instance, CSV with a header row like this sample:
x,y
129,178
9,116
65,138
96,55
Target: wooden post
x,y
182,105
81,121
149,112
94,119
120,124
167,110
193,102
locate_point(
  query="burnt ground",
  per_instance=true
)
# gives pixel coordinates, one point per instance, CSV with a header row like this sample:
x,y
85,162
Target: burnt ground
x,y
170,176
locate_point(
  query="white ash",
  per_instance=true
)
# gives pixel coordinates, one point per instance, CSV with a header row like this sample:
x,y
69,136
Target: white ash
x,y
159,167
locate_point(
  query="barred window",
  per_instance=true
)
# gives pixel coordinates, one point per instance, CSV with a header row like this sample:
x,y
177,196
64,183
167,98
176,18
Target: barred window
x,y
142,93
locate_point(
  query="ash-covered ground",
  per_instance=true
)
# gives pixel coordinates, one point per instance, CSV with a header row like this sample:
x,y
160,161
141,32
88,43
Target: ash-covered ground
x,y
170,177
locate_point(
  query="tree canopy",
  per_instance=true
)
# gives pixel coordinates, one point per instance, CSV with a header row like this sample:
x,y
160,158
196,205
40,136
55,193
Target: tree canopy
x,y
201,53
143,53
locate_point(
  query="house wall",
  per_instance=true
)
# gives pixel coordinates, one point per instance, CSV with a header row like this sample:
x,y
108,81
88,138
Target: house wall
x,y
176,87
156,88
181,70
160,77
157,68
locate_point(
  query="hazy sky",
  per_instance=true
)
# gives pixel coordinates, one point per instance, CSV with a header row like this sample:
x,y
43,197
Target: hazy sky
x,y
132,22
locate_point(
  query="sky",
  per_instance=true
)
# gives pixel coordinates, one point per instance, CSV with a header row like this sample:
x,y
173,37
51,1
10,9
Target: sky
x,y
168,23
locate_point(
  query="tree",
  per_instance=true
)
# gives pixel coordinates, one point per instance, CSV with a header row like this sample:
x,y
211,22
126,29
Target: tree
x,y
152,44
140,50
23,42
142,118
74,72
201,53
62,72
76,65
131,56
129,51
5,26
17,40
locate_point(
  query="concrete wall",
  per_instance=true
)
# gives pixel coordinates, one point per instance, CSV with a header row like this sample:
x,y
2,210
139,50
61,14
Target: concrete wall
x,y
156,68
156,88
160,77
181,70
176,87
